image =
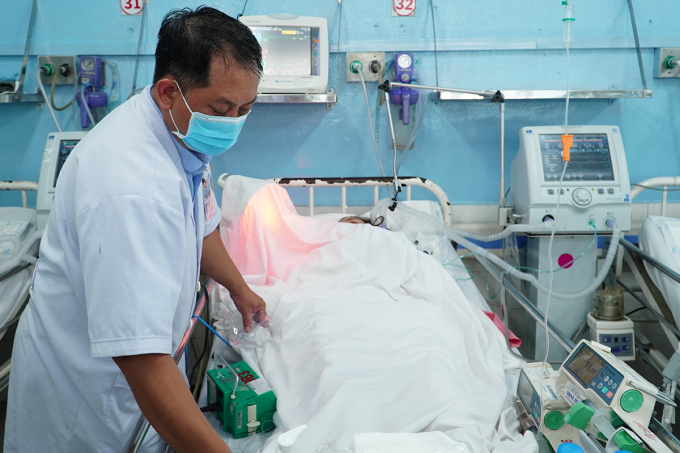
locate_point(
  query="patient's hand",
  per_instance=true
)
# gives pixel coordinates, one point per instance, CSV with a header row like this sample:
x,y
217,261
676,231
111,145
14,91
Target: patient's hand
x,y
250,305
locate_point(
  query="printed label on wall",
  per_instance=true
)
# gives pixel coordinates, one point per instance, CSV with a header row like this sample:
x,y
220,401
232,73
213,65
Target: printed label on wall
x,y
403,8
131,7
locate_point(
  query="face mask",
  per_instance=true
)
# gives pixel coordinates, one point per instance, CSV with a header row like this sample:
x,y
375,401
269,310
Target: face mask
x,y
210,135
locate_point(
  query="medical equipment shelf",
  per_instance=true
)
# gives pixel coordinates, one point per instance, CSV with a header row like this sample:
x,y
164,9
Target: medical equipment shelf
x,y
17,94
330,98
551,94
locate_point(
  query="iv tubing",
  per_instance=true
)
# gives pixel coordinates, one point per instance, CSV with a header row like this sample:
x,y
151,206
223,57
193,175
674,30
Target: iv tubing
x,y
552,275
566,110
370,123
381,206
394,146
47,101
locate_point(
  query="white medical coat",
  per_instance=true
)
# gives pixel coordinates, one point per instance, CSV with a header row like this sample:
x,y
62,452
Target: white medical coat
x,y
117,276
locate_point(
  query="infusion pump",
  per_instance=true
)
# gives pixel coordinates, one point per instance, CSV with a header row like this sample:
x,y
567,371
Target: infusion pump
x,y
58,147
595,186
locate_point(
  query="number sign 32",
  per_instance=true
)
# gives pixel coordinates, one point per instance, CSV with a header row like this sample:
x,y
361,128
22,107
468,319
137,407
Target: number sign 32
x,y
404,7
132,7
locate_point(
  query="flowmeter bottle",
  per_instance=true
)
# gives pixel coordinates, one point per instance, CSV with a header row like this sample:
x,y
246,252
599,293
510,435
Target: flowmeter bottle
x,y
568,22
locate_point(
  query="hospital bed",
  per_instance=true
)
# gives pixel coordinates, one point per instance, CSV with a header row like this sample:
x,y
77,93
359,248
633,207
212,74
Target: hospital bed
x,y
18,252
459,272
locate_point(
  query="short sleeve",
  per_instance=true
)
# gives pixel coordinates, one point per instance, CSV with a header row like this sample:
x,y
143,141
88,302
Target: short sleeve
x,y
133,253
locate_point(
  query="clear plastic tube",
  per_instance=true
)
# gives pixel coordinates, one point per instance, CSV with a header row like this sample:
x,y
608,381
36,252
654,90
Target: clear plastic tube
x,y
87,107
47,101
381,207
21,254
370,123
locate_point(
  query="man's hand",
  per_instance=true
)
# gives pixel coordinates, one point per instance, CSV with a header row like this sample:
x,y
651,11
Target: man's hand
x,y
250,305
164,398
218,265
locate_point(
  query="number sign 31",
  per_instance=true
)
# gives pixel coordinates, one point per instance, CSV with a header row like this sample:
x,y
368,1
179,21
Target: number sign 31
x,y
131,7
403,7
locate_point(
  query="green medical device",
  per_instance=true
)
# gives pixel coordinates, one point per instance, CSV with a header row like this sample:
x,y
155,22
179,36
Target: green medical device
x,y
253,404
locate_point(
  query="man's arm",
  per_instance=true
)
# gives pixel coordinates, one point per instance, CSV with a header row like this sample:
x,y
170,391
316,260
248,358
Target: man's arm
x,y
165,400
217,263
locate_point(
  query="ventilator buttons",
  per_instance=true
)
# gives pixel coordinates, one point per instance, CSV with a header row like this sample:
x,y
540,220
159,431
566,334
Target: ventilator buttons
x,y
631,400
582,197
553,420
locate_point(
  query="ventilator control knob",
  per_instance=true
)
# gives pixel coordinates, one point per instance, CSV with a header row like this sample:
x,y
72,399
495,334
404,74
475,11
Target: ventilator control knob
x,y
582,197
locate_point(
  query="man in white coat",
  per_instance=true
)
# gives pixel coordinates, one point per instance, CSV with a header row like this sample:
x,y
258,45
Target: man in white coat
x,y
133,223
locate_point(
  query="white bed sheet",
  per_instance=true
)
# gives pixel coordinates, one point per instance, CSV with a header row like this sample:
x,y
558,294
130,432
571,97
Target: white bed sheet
x,y
660,237
371,335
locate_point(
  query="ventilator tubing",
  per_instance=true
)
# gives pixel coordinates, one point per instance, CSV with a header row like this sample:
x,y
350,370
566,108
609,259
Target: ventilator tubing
x,y
461,237
21,253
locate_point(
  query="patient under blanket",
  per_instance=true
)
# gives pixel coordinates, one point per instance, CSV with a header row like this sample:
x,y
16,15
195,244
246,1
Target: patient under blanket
x,y
370,335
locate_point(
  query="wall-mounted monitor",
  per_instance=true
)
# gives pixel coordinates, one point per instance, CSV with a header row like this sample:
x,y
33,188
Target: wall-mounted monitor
x,y
294,53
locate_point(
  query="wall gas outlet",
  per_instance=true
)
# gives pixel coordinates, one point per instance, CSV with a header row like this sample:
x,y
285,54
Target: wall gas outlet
x,y
64,66
365,58
667,62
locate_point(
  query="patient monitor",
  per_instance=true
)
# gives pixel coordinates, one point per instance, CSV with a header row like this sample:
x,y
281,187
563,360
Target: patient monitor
x,y
294,53
595,186
57,148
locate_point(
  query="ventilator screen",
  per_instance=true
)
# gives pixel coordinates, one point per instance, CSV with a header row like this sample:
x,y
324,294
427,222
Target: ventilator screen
x,y
590,159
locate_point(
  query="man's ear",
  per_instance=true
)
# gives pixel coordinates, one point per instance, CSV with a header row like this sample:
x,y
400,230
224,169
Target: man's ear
x,y
167,90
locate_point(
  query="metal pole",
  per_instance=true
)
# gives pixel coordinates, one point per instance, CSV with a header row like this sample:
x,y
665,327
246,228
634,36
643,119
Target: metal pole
x,y
637,45
486,94
645,256
27,48
663,320
134,443
501,197
556,333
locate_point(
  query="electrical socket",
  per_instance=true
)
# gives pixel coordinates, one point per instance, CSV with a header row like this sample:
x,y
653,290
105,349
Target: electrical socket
x,y
56,61
365,58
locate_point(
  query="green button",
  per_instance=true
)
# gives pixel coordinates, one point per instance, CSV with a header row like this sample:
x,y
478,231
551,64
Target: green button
x,y
631,400
579,415
554,420
616,420
605,390
625,442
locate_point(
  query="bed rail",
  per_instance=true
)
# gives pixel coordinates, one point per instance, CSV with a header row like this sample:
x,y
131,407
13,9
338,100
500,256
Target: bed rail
x,y
661,181
375,182
23,186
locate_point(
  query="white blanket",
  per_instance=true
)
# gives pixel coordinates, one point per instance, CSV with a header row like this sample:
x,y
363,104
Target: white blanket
x,y
370,335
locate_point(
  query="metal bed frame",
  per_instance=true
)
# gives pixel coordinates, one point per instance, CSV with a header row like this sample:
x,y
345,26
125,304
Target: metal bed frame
x,y
311,183
24,187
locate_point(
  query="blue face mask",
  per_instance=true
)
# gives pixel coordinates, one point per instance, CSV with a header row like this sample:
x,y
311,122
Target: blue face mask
x,y
210,135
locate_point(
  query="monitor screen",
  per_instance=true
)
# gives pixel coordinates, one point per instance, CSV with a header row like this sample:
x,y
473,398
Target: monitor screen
x,y
65,148
590,159
289,51
585,365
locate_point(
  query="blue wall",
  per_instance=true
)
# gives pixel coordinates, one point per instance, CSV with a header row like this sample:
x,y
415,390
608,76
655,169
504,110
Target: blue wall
x,y
486,44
